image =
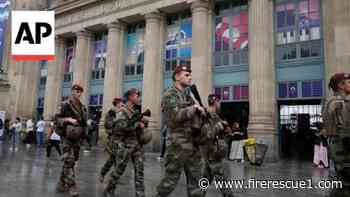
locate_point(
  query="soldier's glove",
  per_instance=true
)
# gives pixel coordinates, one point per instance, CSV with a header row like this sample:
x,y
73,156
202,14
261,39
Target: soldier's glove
x,y
200,110
145,122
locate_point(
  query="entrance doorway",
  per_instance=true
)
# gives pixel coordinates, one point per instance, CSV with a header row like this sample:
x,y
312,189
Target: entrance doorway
x,y
298,122
236,112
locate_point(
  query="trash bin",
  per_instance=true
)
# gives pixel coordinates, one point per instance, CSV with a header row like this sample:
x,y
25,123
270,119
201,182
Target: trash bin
x,y
255,151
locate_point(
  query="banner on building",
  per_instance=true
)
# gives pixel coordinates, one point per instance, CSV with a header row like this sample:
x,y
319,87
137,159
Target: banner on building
x,y
4,14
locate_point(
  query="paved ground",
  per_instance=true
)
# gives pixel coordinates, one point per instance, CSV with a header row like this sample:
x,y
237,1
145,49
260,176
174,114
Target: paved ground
x,y
25,172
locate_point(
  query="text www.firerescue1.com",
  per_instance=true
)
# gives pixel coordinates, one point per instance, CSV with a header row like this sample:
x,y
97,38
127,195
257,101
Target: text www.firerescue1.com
x,y
270,184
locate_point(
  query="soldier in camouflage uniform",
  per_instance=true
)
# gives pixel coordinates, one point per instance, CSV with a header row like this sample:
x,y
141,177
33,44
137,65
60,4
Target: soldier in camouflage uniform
x,y
109,119
126,147
71,123
336,117
183,153
213,146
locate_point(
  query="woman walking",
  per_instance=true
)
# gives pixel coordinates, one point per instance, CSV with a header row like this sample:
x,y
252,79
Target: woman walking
x,y
54,140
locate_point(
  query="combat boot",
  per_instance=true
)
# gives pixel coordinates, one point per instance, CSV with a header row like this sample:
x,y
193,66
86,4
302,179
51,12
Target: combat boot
x,y
73,191
61,187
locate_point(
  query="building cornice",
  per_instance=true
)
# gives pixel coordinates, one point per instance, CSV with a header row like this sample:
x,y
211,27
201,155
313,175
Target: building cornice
x,y
103,12
65,6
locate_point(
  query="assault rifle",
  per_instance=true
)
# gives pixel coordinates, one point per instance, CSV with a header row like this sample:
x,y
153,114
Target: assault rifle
x,y
137,117
196,95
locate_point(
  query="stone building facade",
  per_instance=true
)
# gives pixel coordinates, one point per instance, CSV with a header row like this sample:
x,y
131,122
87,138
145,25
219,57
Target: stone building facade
x,y
257,54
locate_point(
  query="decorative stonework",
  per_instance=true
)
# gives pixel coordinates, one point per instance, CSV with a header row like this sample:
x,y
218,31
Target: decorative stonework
x,y
101,9
92,12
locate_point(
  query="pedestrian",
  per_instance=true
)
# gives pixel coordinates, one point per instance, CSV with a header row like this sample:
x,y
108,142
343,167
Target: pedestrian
x,y
320,148
236,148
336,117
7,129
126,145
16,130
40,128
71,125
109,121
53,139
30,136
214,147
183,154
88,137
163,138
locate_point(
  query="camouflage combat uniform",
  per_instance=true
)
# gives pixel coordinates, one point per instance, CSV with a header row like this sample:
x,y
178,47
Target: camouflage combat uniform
x,y
109,120
71,148
126,147
183,153
336,111
214,149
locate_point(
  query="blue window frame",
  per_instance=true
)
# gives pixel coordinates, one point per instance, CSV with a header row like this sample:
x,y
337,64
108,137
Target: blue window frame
x,y
99,56
135,50
298,29
231,35
178,45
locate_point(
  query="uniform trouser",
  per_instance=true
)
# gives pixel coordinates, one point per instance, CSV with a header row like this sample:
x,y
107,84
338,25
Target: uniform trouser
x,y
123,154
53,143
70,156
339,149
111,158
177,160
107,165
214,170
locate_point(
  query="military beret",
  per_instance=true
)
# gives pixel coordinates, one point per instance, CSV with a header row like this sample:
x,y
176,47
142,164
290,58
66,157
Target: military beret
x,y
180,68
341,76
117,100
77,87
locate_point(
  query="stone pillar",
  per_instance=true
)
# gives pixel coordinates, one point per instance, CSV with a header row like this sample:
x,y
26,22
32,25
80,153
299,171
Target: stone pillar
x,y
211,15
82,63
113,80
336,30
22,76
25,87
201,68
262,101
153,73
54,80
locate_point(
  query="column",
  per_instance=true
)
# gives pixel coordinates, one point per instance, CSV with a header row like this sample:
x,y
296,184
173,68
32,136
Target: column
x,y
24,98
113,80
55,72
82,64
152,89
262,101
336,19
201,68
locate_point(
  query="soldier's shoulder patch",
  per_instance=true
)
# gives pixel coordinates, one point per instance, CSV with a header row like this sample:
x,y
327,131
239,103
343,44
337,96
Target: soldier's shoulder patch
x,y
169,100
